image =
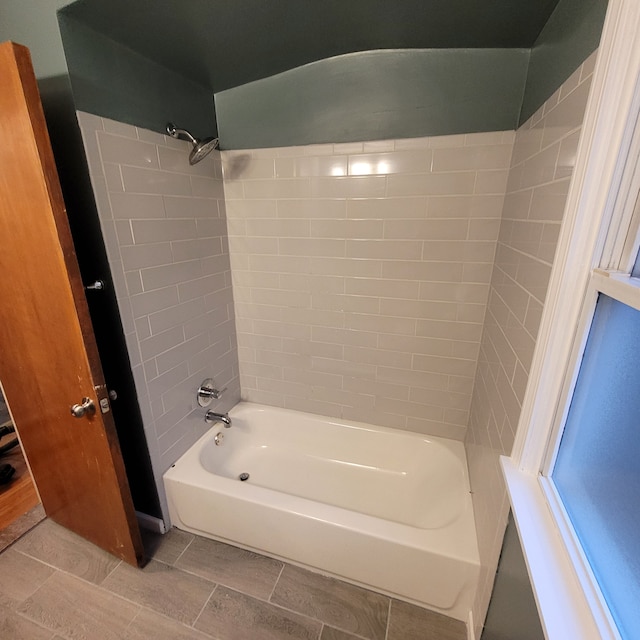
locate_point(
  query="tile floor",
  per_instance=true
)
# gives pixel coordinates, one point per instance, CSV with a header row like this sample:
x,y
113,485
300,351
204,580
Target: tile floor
x,y
54,585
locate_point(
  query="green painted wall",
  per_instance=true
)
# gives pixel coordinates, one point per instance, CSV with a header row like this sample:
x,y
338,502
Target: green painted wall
x,y
376,95
571,34
34,23
512,611
224,44
114,81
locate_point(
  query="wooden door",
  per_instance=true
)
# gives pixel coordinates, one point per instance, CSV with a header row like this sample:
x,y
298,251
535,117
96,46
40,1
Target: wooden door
x,y
48,355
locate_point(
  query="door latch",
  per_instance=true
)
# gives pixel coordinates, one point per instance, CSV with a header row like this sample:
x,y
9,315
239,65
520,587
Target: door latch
x,y
80,410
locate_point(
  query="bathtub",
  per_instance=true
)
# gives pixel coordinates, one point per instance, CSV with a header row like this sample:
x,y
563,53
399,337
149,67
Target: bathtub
x,y
386,509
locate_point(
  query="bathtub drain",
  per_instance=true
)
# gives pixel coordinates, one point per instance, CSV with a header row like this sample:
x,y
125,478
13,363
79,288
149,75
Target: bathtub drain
x,y
243,476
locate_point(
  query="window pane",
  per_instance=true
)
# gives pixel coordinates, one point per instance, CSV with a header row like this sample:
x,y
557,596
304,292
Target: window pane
x,y
597,472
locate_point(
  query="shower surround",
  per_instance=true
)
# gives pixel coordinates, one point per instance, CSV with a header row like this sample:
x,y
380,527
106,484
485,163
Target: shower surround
x,y
398,283
163,223
361,274
543,160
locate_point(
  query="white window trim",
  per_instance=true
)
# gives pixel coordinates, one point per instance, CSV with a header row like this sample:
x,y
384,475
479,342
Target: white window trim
x,y
598,205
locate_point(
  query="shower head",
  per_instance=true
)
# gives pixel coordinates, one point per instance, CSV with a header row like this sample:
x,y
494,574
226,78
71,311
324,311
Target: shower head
x,y
201,148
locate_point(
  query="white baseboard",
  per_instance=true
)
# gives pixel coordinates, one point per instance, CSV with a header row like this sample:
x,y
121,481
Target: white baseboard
x,y
151,523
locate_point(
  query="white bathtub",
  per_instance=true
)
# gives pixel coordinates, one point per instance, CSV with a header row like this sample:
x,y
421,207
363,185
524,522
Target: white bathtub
x,y
386,509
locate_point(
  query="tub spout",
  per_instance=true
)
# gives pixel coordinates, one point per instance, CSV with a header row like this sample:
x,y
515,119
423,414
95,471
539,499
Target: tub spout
x,y
213,417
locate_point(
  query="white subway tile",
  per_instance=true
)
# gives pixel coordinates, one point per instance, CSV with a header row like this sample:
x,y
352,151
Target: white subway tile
x,y
151,301
469,206
450,141
151,136
134,283
347,266
428,229
567,115
423,270
347,367
411,143
313,150
384,208
290,228
285,167
344,337
473,158
113,177
274,189
382,288
337,302
375,324
148,255
353,229
491,182
347,148
89,121
311,247
454,183
384,249
348,187
206,187
245,166
310,209
174,316
444,366
485,138
153,181
313,166
588,66
157,344
418,161
119,128
114,148
135,206
189,207
196,287
150,231
418,309
165,275
378,146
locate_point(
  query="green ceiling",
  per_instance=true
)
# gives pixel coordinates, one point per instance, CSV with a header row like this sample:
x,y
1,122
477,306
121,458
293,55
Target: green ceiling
x,y
221,44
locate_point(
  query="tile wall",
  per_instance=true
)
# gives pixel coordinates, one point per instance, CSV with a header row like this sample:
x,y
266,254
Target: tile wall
x,y
361,274
164,227
538,183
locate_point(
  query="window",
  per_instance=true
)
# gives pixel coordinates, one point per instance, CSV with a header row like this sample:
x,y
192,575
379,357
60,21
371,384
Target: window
x,y
596,471
574,474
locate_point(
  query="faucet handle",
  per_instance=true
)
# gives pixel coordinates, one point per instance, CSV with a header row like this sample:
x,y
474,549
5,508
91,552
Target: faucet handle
x,y
207,392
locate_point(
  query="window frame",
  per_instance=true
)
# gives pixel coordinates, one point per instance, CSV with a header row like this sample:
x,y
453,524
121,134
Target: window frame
x,y
599,236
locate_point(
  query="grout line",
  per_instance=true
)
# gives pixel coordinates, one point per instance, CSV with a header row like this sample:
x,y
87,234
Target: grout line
x,y
386,635
134,617
275,584
173,564
110,573
204,606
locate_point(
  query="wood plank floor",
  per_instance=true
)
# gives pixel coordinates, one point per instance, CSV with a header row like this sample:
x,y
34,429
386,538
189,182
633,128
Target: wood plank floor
x,y
57,586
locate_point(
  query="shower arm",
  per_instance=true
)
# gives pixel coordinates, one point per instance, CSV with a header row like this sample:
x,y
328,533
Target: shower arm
x,y
174,132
